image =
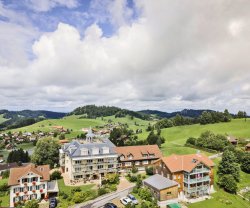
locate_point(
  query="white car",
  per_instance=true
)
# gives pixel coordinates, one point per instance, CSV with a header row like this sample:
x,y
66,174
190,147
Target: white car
x,y
125,200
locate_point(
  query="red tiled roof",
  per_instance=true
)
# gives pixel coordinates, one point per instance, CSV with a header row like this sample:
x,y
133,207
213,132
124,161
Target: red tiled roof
x,y
138,151
17,173
176,163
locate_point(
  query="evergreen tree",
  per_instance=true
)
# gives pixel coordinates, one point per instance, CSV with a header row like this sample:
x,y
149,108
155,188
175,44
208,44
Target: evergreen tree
x,y
229,165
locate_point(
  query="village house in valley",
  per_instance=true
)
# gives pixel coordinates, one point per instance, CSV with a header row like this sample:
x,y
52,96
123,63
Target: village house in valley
x,y
90,158
30,182
194,173
138,156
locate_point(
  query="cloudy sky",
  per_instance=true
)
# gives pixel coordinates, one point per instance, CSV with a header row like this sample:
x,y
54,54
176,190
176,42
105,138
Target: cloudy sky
x,y
136,54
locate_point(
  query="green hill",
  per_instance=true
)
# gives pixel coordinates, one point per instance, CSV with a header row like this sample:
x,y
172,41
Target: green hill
x,y
177,136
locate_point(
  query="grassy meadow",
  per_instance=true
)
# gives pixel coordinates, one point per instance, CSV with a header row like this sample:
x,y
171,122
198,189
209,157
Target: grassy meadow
x,y
2,119
177,136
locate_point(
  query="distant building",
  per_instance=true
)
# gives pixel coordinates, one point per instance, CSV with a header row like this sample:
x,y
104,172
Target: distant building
x,y
193,173
30,182
88,158
233,140
138,156
161,187
247,147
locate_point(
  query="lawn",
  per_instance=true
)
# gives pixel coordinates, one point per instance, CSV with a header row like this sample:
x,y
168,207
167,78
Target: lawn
x,y
64,203
6,198
177,136
67,189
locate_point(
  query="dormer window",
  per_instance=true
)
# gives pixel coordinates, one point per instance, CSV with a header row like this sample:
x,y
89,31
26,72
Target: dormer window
x,y
130,156
105,150
122,157
95,151
84,151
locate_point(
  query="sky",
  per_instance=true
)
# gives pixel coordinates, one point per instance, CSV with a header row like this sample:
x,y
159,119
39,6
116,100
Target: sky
x,y
136,54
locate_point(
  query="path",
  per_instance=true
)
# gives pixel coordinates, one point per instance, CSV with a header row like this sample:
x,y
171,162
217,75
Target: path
x,y
215,155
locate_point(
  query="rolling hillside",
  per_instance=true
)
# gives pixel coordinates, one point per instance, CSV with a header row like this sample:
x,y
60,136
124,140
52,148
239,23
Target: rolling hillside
x,y
177,136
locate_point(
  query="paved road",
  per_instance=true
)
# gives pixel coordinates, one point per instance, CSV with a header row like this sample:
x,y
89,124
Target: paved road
x,y
100,201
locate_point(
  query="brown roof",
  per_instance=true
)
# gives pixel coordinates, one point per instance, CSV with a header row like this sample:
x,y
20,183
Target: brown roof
x,y
248,145
176,163
17,173
138,151
232,139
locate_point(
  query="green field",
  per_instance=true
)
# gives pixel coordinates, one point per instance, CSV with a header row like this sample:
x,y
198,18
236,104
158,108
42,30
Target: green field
x,y
177,136
2,119
5,198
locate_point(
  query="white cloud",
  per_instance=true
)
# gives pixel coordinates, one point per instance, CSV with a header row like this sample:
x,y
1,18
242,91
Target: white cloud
x,y
175,55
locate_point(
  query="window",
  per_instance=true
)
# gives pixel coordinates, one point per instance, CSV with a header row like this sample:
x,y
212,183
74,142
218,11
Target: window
x,y
130,156
89,161
169,193
127,163
110,166
84,151
105,150
78,162
95,151
77,169
145,162
100,160
137,163
100,166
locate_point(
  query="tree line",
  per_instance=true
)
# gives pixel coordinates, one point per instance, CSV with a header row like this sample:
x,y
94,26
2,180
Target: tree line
x,y
126,137
93,111
207,117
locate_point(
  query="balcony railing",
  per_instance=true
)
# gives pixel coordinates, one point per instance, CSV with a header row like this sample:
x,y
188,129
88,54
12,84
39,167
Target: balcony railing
x,y
196,180
200,170
195,189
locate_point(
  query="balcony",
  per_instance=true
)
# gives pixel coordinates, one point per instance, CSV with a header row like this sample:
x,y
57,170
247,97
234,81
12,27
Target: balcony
x,y
200,170
195,189
196,180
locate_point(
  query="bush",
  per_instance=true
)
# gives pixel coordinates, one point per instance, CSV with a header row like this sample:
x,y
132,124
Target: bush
x,y
56,175
134,169
4,187
75,189
102,191
191,140
133,178
5,174
149,171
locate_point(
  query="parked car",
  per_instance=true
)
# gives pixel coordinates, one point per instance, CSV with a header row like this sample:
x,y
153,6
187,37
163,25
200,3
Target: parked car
x,y
125,200
133,199
110,205
52,203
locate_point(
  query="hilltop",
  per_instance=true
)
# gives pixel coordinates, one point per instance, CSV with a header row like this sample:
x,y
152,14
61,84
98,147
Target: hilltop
x,y
15,119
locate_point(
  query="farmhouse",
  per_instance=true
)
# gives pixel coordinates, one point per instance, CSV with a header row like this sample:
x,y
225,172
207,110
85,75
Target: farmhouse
x,y
193,173
30,182
137,156
161,187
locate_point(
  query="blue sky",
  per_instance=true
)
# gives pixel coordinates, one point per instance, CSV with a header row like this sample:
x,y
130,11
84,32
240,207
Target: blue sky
x,y
165,55
81,14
